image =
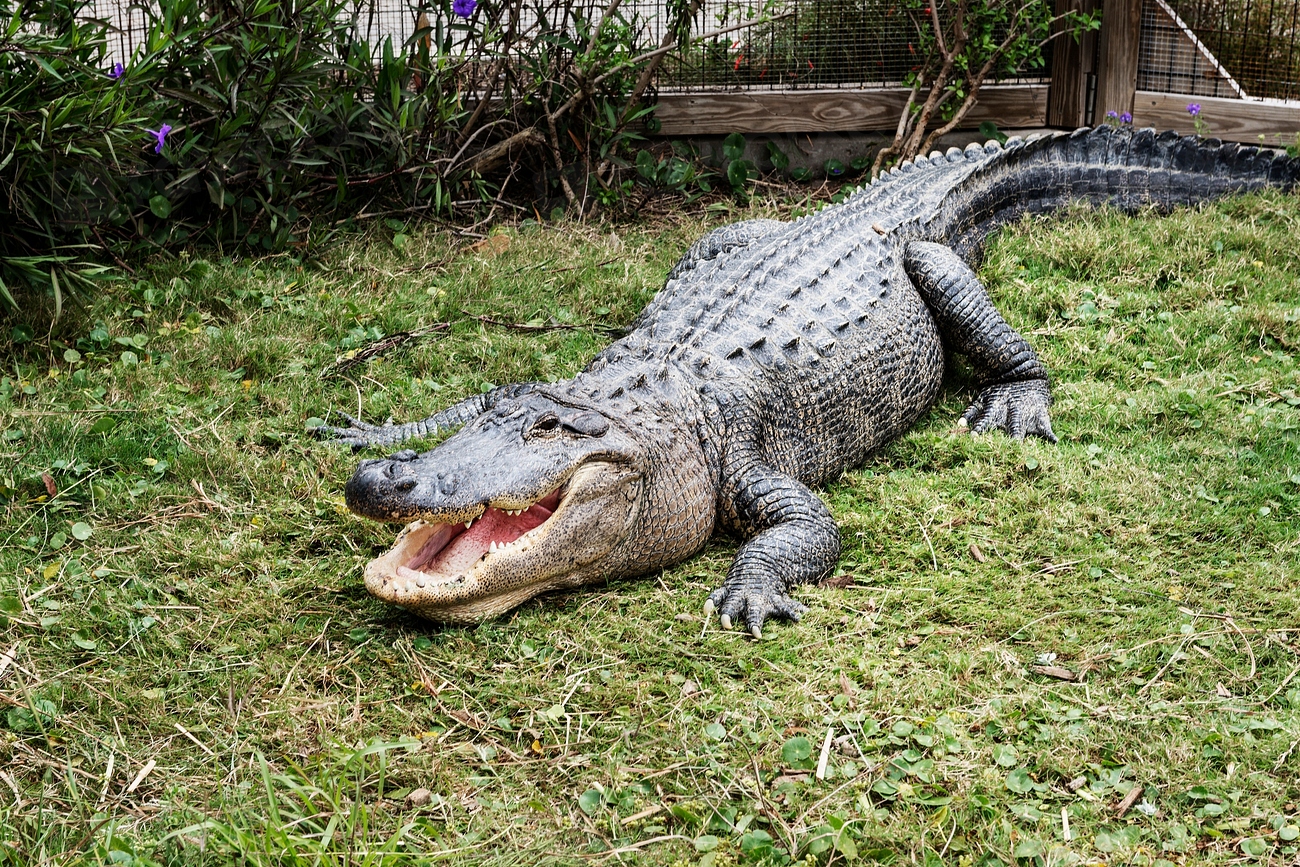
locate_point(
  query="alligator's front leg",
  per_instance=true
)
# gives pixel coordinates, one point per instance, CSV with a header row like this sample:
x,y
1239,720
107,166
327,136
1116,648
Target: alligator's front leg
x,y
792,540
359,434
1015,394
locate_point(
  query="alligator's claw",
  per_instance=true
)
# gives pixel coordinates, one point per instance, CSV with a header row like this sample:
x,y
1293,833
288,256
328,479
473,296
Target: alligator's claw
x,y
1019,408
754,602
358,434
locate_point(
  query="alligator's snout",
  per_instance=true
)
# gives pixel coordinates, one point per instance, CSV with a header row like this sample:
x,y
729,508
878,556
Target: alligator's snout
x,y
390,488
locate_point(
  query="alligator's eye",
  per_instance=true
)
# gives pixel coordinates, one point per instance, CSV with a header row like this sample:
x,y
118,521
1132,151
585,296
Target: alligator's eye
x,y
546,424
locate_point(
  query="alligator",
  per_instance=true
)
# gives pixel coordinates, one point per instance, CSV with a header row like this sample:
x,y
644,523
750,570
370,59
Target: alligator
x,y
776,356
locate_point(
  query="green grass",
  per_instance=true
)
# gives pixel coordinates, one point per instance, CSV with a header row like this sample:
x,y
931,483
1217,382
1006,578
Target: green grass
x,y
188,600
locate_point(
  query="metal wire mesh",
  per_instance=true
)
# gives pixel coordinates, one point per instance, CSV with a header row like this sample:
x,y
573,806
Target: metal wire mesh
x,y
1200,47
803,44
793,43
1227,48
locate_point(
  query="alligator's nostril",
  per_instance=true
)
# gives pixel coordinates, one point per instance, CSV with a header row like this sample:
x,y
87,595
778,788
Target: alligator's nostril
x,y
405,485
447,486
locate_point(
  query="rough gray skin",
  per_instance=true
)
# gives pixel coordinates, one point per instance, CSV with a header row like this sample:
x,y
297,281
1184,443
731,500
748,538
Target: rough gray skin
x,y
776,356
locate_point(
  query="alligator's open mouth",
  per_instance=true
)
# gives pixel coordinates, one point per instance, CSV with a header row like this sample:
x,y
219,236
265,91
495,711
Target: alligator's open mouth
x,y
464,565
428,554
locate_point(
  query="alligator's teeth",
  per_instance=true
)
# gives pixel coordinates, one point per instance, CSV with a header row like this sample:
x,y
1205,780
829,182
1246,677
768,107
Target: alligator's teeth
x,y
469,523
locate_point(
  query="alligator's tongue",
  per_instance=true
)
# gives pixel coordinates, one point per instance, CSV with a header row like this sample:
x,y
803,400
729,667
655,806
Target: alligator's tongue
x,y
449,559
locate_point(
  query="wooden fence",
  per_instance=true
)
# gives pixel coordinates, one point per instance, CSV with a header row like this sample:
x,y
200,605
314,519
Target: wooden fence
x,y
1089,78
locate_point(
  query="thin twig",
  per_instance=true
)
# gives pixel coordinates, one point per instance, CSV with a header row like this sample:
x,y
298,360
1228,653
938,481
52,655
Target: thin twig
x,y
523,326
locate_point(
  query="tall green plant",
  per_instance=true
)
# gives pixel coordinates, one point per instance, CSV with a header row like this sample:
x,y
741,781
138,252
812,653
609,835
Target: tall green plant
x,y
961,44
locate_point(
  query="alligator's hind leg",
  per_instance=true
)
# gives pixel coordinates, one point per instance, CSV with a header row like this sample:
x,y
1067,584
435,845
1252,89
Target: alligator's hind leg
x,y
1014,396
792,540
359,434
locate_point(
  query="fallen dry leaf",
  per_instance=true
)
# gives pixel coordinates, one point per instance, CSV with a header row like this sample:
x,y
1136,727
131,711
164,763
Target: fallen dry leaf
x,y
493,245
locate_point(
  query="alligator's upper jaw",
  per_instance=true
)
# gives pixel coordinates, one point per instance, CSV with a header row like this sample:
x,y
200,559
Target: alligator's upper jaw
x,y
466,571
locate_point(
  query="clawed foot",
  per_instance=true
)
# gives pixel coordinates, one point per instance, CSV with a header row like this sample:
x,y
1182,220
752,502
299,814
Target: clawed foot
x,y
358,434
1019,408
752,602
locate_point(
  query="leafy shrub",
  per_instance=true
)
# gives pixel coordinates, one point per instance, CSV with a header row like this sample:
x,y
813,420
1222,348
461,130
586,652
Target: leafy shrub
x,y
265,123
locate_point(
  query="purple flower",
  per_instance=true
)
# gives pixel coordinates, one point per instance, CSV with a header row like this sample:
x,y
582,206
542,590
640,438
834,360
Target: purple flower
x,y
463,8
161,136
118,71
1112,114
1126,118
1194,109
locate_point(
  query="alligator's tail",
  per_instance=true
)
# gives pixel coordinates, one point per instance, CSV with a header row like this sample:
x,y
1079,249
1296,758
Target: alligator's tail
x,y
1127,169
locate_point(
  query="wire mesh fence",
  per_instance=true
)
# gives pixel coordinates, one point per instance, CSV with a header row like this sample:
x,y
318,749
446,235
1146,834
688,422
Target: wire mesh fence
x,y
802,43
789,44
1227,48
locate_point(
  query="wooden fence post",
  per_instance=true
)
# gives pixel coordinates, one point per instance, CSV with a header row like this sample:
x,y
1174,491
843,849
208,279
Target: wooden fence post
x,y
1121,21
1072,63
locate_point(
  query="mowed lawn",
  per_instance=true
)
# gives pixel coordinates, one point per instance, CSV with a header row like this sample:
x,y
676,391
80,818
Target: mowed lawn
x,y
1050,654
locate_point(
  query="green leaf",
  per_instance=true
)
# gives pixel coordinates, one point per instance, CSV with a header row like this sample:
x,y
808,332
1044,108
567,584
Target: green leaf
x,y
846,846
738,174
685,814
84,641
715,731
1288,833
32,720
71,356
796,750
1255,847
161,206
778,157
990,130
1019,781
756,843
81,531
733,147
1029,848
1005,755
834,168
589,801
706,843
646,165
